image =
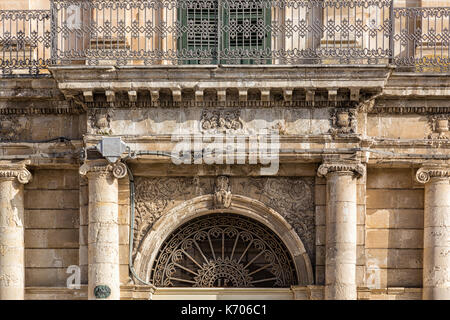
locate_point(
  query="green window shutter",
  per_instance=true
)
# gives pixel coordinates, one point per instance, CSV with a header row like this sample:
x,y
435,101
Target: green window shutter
x,y
198,41
245,28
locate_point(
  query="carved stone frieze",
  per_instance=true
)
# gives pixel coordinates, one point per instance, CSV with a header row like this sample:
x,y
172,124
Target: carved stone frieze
x,y
222,192
221,121
343,120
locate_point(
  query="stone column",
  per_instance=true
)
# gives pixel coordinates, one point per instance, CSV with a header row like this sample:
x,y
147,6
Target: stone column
x,y
12,266
436,246
341,227
103,228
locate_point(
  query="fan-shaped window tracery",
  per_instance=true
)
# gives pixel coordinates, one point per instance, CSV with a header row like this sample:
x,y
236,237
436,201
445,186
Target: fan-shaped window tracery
x,y
223,250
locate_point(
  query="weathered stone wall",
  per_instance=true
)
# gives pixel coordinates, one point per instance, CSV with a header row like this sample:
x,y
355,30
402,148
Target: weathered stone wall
x,y
394,229
51,227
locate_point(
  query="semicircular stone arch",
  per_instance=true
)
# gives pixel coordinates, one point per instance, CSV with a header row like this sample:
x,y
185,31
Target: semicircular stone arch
x,y
152,244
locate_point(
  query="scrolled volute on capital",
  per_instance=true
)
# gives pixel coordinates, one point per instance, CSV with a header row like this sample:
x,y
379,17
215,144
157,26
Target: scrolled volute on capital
x,y
357,168
118,169
424,174
21,174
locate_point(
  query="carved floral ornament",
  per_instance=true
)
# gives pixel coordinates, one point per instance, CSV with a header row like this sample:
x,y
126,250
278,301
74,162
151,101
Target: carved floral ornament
x,y
118,169
440,126
221,121
343,120
21,174
357,168
424,174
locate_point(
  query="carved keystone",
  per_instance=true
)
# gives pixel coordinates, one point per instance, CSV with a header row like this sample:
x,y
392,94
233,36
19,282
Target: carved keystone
x,y
222,192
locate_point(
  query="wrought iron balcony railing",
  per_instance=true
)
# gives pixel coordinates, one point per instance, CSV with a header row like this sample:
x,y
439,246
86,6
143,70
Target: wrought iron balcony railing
x,y
181,32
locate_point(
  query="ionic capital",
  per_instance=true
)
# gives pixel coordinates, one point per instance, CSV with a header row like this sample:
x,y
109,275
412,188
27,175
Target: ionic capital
x,y
345,167
15,172
424,174
103,167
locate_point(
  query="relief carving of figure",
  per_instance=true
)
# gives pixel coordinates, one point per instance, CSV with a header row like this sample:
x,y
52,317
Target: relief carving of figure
x,y
222,192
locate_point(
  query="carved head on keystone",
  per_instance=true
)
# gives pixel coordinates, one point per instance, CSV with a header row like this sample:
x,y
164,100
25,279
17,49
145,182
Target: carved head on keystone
x,y
222,192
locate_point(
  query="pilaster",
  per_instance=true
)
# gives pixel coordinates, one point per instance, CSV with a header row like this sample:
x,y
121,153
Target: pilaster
x,y
12,265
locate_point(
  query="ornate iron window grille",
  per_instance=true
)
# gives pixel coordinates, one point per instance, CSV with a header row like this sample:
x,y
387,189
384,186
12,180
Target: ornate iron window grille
x,y
170,32
223,250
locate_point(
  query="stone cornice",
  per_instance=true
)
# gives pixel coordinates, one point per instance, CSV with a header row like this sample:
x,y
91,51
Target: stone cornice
x,y
424,174
102,167
12,172
355,168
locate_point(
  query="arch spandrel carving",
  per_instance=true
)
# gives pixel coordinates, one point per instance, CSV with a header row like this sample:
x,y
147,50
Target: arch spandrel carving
x,y
291,197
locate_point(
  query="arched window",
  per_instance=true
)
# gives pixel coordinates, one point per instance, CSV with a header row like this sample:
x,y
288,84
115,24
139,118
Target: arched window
x,y
223,250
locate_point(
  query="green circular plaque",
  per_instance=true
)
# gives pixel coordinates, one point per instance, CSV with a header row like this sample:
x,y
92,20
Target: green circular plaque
x,y
102,291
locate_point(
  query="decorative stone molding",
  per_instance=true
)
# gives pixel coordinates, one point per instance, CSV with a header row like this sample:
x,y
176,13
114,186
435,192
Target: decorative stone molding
x,y
222,192
21,174
326,168
292,197
100,120
118,169
424,174
220,121
343,120
439,125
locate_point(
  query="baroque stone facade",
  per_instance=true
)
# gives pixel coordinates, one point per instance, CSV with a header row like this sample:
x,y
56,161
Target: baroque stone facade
x,y
324,180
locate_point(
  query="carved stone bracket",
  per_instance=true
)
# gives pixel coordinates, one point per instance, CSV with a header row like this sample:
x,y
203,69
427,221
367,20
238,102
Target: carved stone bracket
x,y
343,120
101,167
356,168
424,174
222,192
21,174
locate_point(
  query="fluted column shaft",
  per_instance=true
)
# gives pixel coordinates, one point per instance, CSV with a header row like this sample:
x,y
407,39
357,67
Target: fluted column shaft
x,y
103,231
436,247
341,230
12,266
